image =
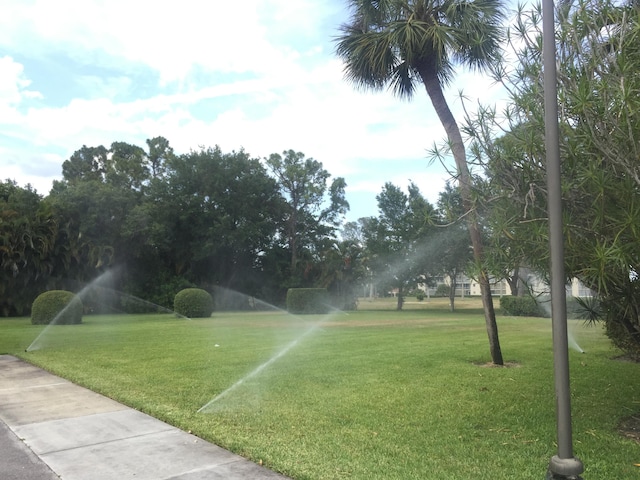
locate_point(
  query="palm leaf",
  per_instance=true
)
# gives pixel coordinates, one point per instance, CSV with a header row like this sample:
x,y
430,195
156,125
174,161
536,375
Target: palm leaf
x,y
368,56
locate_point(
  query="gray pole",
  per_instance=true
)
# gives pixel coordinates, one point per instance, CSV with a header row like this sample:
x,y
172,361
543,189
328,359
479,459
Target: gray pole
x,y
563,465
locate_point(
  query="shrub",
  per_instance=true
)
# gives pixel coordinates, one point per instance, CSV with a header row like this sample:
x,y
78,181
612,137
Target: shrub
x,y
618,319
193,303
443,290
621,339
163,293
420,296
307,300
59,305
521,306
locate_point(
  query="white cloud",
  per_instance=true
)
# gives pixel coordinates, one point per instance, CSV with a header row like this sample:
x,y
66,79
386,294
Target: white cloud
x,y
13,88
169,37
38,170
353,134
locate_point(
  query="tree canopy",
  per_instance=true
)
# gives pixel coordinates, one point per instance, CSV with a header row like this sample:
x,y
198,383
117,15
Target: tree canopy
x,y
395,239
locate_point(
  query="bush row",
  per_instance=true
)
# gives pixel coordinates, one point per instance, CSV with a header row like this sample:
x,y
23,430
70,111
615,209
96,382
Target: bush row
x,y
65,308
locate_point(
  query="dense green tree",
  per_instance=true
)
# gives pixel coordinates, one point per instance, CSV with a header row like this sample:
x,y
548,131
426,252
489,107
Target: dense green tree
x,y
94,213
160,153
214,218
450,249
404,43
314,209
127,166
87,163
99,191
342,272
103,205
396,239
507,257
122,165
28,234
354,233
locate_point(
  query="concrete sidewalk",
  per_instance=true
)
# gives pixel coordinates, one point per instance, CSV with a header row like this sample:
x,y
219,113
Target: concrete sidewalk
x,y
51,428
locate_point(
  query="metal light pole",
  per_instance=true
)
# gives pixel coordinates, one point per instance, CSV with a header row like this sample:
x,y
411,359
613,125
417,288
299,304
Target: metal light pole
x,y
563,465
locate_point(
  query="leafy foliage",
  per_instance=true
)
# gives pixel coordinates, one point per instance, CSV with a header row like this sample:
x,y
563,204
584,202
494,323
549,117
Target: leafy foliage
x,y
193,303
520,306
29,247
165,222
443,290
597,63
342,272
65,308
451,252
396,239
212,218
306,224
308,300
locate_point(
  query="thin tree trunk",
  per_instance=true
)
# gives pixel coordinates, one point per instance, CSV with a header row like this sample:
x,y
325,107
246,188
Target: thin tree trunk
x,y
514,282
434,90
293,244
453,283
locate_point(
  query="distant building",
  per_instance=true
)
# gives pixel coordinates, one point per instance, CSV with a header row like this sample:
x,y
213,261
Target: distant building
x,y
466,286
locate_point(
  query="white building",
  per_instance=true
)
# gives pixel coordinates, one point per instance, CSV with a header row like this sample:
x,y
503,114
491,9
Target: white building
x,y
466,286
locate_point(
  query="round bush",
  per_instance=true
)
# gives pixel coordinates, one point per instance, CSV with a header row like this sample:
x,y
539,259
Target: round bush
x,y
57,306
193,303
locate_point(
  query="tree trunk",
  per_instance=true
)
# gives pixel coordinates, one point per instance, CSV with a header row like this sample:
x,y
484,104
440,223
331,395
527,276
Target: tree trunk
x,y
293,244
434,90
453,283
514,282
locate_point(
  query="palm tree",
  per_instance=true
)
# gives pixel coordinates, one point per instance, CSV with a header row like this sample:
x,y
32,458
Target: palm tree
x,y
400,43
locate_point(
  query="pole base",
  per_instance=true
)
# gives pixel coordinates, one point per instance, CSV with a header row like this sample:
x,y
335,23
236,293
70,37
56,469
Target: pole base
x,y
564,469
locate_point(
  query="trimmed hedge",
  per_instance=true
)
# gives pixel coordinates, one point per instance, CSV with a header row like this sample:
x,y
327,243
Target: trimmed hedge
x,y
521,306
59,305
193,303
308,300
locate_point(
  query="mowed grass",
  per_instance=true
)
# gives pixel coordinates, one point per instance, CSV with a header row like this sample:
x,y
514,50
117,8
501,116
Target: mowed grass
x,y
375,394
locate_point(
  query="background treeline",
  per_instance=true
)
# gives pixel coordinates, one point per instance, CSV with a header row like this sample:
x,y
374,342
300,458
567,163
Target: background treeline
x,y
167,221
159,222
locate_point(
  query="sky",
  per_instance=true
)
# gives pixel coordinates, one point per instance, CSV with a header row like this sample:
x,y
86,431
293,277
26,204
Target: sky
x,y
261,75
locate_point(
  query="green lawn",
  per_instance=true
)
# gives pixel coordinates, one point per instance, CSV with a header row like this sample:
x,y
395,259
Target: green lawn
x,y
374,394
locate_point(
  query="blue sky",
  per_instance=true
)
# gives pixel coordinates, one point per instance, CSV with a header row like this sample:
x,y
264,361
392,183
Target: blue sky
x,y
258,74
